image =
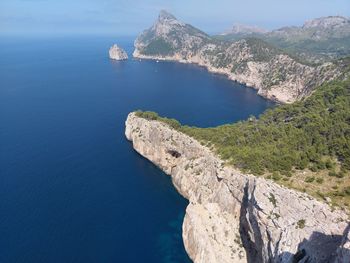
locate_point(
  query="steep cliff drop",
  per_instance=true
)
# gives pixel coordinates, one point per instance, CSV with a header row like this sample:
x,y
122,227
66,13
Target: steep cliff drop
x,y
234,217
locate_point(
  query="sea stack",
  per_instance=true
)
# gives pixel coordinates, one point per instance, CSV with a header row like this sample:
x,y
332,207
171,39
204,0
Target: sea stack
x,y
117,53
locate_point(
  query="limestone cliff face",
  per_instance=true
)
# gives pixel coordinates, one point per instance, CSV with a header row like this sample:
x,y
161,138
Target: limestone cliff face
x,y
234,217
253,62
318,29
117,53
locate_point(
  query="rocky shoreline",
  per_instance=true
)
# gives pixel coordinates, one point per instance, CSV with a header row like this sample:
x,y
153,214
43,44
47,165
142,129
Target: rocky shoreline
x,y
117,53
235,217
274,73
277,96
287,92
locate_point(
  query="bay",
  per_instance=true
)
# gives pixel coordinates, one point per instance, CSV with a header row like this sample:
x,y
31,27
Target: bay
x,y
72,189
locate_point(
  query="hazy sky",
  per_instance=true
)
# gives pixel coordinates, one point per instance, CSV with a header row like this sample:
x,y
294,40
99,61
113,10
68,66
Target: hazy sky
x,y
128,17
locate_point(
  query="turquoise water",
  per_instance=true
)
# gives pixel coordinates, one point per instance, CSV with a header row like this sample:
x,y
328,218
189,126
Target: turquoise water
x,y
71,187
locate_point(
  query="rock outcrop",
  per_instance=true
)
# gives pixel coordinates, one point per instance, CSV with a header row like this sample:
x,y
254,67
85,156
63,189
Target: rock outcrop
x,y
275,74
235,217
117,53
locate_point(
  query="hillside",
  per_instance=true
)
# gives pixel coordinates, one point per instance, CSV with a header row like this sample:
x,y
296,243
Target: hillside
x,y
318,40
305,145
254,62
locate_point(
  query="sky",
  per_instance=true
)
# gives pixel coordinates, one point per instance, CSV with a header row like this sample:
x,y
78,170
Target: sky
x,y
129,17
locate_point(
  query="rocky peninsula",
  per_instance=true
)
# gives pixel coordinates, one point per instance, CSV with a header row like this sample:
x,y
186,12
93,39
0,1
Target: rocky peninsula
x,y
236,217
273,72
117,53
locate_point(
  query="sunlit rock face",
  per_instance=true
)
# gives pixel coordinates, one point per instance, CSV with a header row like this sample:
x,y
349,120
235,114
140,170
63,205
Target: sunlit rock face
x,y
117,53
236,217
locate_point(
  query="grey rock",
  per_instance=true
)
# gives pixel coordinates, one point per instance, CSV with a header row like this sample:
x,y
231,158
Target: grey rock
x,y
117,53
236,217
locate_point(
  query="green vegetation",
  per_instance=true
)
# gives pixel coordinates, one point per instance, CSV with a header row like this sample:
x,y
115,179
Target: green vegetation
x,y
303,47
262,50
301,145
272,199
327,48
320,180
150,115
158,47
301,223
309,179
314,133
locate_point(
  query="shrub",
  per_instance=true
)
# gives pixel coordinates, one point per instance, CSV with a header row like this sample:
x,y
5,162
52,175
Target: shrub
x,y
276,176
309,133
329,164
314,168
341,174
272,199
347,190
301,223
332,173
320,180
148,115
309,179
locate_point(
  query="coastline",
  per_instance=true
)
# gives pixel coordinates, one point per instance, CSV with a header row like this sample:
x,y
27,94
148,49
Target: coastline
x,y
284,93
223,72
229,211
209,69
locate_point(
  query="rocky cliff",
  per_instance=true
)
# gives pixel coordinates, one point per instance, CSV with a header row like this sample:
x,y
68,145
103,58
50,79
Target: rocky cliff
x,y
117,53
234,217
318,29
275,74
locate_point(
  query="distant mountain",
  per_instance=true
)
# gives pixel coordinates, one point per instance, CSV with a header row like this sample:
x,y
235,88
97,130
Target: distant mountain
x,y
319,29
245,30
318,40
239,31
169,35
255,62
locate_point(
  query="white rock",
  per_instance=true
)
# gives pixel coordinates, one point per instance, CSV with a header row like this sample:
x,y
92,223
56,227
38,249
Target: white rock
x,y
117,53
235,217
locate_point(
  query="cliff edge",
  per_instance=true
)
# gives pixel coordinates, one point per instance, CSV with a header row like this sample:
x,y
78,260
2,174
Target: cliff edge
x,y
235,217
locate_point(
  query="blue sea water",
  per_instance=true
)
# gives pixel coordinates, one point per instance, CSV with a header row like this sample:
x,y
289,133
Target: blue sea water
x,y
71,187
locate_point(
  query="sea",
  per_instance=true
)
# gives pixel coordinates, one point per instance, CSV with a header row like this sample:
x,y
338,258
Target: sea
x,y
72,189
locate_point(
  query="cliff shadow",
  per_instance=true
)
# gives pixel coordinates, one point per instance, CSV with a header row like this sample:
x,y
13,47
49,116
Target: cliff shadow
x,y
319,248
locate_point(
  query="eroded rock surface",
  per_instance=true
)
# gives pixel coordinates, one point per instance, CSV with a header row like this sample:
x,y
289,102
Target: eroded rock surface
x,y
117,53
234,217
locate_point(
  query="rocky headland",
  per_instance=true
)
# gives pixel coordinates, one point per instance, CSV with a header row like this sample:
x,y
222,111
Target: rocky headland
x,y
274,73
236,217
117,53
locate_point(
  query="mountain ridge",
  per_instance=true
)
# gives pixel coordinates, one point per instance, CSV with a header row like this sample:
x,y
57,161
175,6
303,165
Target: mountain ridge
x,y
317,40
254,62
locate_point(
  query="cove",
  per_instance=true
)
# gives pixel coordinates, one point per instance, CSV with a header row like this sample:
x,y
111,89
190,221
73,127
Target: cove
x,y
72,189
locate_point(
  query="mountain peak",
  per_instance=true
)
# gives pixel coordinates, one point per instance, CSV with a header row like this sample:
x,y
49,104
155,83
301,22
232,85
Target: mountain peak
x,y
329,21
245,29
165,15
